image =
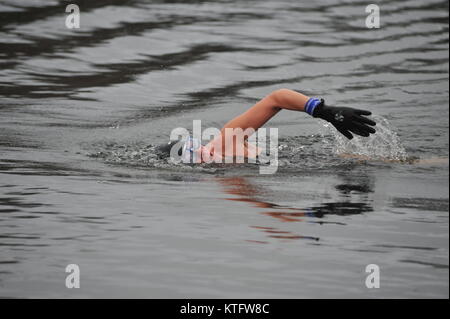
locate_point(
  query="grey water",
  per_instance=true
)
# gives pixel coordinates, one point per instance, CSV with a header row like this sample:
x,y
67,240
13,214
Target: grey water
x,y
81,111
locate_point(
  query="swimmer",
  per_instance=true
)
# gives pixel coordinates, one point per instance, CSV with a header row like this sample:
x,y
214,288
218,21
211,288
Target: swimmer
x,y
348,121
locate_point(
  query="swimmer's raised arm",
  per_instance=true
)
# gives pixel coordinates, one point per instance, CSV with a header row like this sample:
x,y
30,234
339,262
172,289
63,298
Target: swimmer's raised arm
x,y
346,120
265,109
254,118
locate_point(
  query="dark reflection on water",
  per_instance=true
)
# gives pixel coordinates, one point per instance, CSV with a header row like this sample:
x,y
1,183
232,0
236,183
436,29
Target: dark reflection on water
x,y
348,188
35,13
433,204
36,168
418,262
81,111
65,84
247,192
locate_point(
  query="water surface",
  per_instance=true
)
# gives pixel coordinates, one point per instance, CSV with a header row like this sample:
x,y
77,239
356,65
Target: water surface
x,y
81,110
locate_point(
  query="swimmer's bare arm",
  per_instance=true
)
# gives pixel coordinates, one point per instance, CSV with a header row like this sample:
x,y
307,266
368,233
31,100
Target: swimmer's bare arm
x,y
264,110
257,116
346,120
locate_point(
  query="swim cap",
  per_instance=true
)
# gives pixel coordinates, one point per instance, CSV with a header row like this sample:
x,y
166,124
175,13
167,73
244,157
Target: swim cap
x,y
163,150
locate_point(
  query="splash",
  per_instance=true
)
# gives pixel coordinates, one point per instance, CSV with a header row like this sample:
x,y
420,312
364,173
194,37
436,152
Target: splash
x,y
384,145
295,152
141,155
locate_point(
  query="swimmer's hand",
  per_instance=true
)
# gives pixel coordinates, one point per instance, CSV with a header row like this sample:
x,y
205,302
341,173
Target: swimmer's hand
x,y
346,120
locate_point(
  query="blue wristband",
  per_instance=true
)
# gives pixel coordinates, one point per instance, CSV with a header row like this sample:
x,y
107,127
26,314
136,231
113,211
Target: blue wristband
x,y
311,105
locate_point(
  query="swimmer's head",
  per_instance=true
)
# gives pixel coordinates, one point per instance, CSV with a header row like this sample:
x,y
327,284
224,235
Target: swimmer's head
x,y
189,150
164,150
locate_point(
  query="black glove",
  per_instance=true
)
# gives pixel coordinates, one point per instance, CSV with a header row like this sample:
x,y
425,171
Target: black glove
x,y
345,119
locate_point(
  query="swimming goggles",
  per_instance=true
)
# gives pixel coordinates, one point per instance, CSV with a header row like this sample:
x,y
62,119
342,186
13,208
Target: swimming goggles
x,y
191,151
